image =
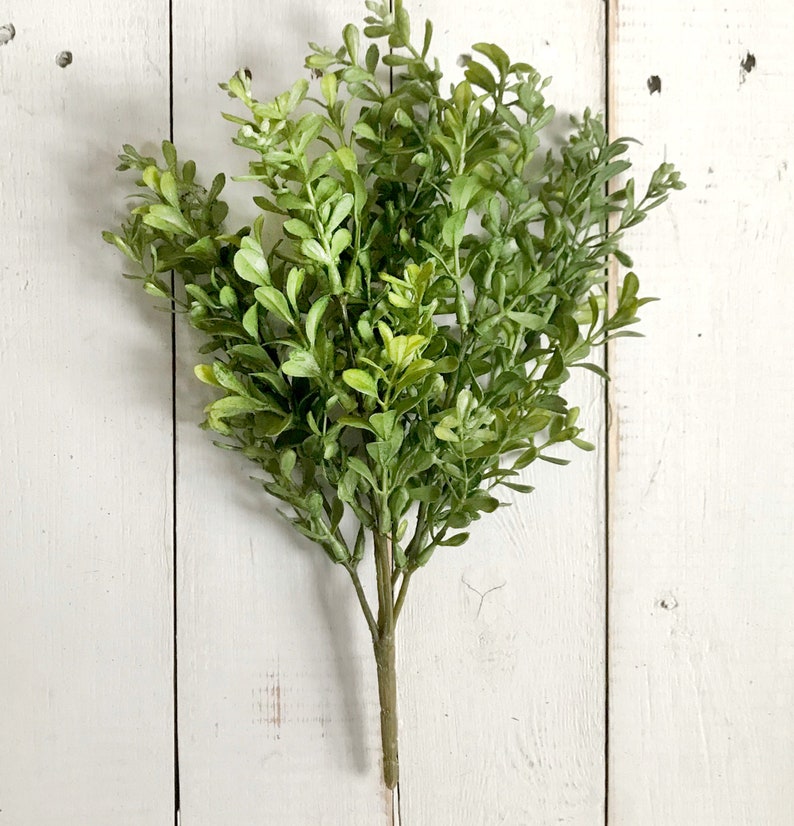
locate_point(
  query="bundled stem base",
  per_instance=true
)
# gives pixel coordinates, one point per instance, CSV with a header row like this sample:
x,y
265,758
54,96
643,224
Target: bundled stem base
x,y
385,658
387,693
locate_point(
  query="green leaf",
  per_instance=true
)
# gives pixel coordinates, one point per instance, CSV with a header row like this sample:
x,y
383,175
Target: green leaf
x,y
496,55
553,460
343,208
328,86
287,200
631,285
448,364
452,230
287,462
169,190
302,364
203,249
350,35
311,249
294,284
230,406
294,226
218,183
267,205
151,177
455,540
425,493
251,322
252,266
555,367
593,368
168,219
357,466
274,301
340,241
372,58
296,94
483,501
463,191
205,373
226,378
427,38
314,317
122,245
362,381
355,421
347,158
228,298
200,295
478,75
320,167
529,320
518,486
366,132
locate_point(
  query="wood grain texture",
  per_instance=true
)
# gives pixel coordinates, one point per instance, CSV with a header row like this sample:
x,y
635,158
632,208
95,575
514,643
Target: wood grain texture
x,y
277,691
501,700
702,653
85,436
502,641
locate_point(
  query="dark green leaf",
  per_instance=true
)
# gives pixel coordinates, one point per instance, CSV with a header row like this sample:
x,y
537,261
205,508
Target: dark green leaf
x,y
455,540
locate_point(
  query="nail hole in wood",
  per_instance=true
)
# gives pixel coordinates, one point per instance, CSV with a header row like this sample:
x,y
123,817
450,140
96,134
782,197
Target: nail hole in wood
x,y
654,84
748,64
7,33
63,59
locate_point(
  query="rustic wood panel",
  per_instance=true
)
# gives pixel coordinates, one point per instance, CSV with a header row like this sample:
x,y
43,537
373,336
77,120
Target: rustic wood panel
x,y
702,571
502,694
85,433
501,703
277,692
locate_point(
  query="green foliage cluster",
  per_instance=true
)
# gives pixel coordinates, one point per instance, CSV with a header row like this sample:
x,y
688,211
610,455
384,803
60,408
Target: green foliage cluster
x,y
399,350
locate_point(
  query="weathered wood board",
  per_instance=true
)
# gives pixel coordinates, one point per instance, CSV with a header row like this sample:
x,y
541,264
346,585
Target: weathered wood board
x,y
702,504
503,648
86,692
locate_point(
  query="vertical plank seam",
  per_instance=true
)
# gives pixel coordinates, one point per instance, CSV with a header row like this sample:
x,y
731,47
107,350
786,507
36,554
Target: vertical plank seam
x,y
396,810
610,17
174,629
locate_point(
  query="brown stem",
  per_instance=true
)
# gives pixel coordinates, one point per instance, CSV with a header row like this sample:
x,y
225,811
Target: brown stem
x,y
385,658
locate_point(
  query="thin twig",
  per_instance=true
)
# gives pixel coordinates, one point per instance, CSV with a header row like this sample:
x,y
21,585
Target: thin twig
x,y
401,595
362,598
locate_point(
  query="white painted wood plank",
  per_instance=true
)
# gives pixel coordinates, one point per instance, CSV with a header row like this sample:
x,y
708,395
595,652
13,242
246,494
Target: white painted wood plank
x,y
702,652
502,698
85,532
278,698
501,710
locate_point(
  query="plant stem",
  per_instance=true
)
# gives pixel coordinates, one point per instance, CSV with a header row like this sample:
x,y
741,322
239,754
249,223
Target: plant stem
x,y
401,594
371,624
385,659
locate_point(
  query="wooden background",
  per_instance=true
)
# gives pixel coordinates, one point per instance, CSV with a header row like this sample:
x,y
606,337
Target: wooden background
x,y
617,648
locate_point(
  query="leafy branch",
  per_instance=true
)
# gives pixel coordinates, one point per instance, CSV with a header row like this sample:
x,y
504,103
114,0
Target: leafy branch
x,y
380,358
